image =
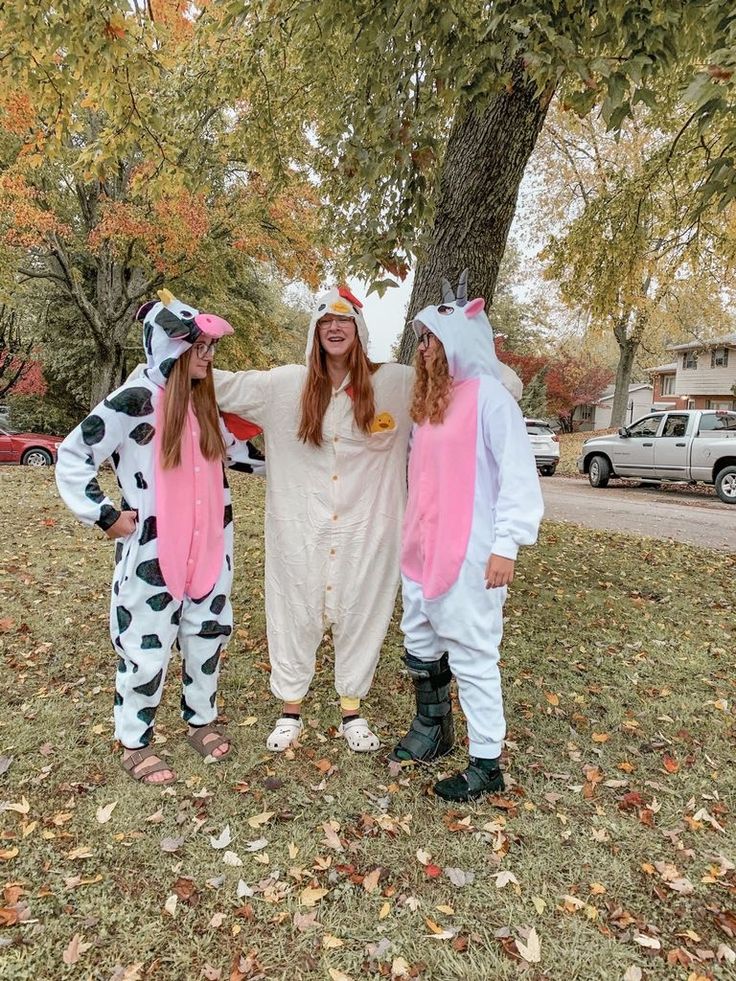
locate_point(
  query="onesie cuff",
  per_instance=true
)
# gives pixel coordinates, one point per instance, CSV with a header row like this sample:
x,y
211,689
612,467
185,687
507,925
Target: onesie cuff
x,y
108,516
506,548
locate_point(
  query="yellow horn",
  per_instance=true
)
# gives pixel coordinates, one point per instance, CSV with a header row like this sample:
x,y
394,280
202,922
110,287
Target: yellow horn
x,y
166,296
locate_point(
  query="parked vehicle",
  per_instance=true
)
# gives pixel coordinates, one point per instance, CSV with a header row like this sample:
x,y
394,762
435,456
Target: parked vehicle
x,y
683,446
546,445
30,449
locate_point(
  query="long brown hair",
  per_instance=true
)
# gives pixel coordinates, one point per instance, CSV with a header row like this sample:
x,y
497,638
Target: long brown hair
x,y
179,389
318,389
432,387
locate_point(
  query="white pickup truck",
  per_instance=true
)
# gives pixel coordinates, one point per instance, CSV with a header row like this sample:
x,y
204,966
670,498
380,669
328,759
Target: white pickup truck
x,y
683,445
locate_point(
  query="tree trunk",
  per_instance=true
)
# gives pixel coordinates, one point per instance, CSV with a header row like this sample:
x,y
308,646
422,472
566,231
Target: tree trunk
x,y
628,345
109,372
484,163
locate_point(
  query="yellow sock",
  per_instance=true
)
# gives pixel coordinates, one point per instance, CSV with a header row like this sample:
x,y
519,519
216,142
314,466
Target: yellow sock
x,y
349,704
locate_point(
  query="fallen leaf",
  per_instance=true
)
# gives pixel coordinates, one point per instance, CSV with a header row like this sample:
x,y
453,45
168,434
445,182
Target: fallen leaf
x,y
244,890
75,948
539,904
217,920
384,911
305,921
651,943
531,951
83,851
171,845
370,881
332,943
293,850
22,808
184,888
632,973
311,896
223,839
459,877
600,737
332,839
103,814
5,762
552,698
503,878
170,904
433,871
338,975
423,857
258,845
260,819
232,859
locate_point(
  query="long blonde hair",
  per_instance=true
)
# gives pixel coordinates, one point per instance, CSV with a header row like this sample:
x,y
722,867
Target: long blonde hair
x,y
432,386
318,389
179,390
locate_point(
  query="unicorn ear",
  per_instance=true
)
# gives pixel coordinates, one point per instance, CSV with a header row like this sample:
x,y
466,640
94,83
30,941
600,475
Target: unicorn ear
x,y
475,307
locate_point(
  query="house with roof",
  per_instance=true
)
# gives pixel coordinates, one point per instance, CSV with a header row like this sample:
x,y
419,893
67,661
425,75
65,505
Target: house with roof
x,y
702,376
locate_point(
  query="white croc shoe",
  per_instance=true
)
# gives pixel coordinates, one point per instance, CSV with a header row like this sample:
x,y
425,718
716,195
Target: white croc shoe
x,y
359,737
285,733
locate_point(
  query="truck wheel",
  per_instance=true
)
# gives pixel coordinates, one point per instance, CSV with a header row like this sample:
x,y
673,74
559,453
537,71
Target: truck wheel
x,y
547,471
599,471
726,485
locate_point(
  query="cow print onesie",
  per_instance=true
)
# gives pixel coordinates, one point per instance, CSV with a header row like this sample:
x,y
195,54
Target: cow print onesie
x,y
147,613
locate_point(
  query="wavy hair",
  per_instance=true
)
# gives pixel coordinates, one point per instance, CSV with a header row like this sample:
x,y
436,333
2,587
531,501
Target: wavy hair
x,y
318,389
180,388
432,386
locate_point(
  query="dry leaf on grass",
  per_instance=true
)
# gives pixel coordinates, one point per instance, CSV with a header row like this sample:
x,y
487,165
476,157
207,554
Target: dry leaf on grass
x,y
103,814
172,845
170,904
531,951
223,839
75,949
370,881
310,896
232,859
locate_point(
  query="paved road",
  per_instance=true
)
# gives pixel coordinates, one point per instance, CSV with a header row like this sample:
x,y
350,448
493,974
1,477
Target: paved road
x,y
684,516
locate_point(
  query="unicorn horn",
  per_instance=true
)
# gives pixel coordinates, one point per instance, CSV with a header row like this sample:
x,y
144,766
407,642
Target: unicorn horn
x,y
462,288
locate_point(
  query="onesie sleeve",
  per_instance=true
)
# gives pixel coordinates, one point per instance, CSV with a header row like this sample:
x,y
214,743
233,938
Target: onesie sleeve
x,y
79,458
242,455
243,393
519,505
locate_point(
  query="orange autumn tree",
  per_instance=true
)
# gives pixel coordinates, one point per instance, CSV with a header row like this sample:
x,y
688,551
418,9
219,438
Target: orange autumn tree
x,y
121,171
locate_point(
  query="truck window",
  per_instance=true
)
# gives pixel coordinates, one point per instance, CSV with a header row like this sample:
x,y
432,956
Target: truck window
x,y
649,426
717,422
676,425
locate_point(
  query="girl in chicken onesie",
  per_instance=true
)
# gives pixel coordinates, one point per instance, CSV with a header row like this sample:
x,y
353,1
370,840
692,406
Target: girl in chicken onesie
x,y
474,498
173,559
336,434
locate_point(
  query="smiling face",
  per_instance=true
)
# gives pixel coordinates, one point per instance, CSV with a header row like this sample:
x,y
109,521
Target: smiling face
x,y
336,334
201,357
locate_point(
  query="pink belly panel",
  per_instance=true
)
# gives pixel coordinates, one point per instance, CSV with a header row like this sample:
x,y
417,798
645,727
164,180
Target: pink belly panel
x,y
439,512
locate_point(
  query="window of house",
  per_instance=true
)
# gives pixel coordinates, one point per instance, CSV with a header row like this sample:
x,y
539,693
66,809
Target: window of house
x,y
719,357
586,413
690,360
726,405
668,384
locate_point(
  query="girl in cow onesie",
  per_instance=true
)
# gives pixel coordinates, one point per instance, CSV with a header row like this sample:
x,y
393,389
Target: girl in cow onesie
x,y
173,559
336,433
474,498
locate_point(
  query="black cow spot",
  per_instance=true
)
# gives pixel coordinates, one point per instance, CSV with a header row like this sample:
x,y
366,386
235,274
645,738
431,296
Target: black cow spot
x,y
93,430
213,699
229,563
116,587
125,618
140,481
90,460
147,736
253,452
147,714
118,552
151,642
118,700
142,434
150,572
150,687
147,337
124,506
108,516
118,644
115,457
172,325
176,617
186,712
186,679
167,366
122,666
132,401
224,480
211,628
148,531
159,601
218,603
321,307
210,665
228,515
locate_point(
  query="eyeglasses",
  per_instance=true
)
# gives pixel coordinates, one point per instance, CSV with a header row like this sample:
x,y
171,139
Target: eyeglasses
x,y
328,321
422,335
203,350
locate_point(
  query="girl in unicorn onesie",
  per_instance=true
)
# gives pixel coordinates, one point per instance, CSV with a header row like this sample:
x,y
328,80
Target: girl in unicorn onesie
x,y
174,531
336,432
474,499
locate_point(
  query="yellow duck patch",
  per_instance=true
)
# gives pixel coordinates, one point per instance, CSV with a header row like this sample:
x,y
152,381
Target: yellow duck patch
x,y
340,306
383,423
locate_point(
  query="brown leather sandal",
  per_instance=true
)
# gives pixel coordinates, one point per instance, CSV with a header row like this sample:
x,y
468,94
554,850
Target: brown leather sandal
x,y
197,737
134,761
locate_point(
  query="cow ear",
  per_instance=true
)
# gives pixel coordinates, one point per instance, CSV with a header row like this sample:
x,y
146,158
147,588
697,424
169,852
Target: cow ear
x,y
475,307
144,310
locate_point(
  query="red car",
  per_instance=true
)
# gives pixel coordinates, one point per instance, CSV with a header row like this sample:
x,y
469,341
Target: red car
x,y
31,449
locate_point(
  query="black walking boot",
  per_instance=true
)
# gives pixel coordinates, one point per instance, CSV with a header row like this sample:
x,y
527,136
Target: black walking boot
x,y
478,778
432,733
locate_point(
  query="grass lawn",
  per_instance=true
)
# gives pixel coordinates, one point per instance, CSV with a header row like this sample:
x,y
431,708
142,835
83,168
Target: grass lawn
x,y
609,856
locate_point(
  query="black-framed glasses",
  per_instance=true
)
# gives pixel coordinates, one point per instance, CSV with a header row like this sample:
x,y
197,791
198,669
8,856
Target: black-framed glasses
x,y
421,333
203,350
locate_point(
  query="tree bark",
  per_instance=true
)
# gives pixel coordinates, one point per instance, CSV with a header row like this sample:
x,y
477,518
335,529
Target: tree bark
x,y
484,163
628,345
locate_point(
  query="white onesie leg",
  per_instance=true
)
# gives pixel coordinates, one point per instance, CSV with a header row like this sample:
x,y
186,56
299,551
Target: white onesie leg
x,y
467,622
